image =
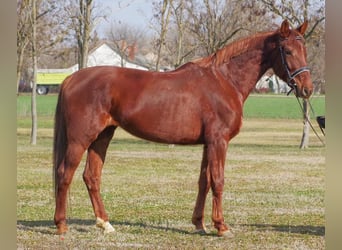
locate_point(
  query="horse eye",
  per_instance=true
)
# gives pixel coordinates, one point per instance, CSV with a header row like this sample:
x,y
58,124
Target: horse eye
x,y
287,52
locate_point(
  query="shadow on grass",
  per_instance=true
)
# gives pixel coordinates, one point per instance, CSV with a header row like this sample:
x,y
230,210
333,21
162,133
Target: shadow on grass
x,y
300,229
48,227
39,226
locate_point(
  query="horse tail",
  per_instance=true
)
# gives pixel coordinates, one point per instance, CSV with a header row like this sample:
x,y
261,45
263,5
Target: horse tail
x,y
59,140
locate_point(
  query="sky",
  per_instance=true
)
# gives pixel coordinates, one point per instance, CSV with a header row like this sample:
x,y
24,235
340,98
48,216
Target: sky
x,y
135,13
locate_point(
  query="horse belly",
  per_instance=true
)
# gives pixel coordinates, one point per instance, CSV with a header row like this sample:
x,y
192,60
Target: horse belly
x,y
166,124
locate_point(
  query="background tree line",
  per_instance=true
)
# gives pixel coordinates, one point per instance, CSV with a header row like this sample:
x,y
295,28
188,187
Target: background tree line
x,y
179,30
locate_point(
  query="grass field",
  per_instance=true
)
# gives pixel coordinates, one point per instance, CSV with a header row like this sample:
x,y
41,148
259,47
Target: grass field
x,y
274,192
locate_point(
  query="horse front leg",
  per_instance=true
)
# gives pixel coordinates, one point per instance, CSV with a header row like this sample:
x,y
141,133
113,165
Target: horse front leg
x,y
203,188
216,160
92,177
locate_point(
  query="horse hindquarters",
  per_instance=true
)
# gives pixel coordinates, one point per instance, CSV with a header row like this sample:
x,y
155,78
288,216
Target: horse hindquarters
x,y
68,153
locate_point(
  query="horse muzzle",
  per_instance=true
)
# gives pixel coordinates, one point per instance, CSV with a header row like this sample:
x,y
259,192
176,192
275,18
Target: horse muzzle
x,y
303,92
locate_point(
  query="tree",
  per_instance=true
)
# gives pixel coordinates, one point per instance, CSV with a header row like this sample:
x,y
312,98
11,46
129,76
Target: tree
x,y
32,40
27,35
81,18
216,23
83,31
162,12
178,13
23,33
199,28
34,63
125,39
49,14
211,24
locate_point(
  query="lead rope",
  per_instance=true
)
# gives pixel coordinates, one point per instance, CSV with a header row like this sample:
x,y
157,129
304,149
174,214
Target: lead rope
x,y
313,112
308,120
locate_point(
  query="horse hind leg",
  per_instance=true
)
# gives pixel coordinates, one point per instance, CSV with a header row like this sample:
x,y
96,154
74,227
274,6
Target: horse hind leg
x,y
64,174
92,176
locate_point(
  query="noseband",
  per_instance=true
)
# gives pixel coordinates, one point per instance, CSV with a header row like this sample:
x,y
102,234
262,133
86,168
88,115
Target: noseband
x,y
290,76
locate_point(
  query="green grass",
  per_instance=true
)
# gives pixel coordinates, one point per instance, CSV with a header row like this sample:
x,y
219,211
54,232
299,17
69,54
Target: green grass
x,y
45,105
273,199
280,106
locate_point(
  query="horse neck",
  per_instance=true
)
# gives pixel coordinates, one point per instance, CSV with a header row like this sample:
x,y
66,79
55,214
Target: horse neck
x,y
243,67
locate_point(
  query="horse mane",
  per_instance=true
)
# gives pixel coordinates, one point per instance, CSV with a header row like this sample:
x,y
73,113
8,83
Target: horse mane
x,y
233,49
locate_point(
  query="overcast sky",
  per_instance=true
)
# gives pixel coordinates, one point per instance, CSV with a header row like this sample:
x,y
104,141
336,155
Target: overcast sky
x,y
136,13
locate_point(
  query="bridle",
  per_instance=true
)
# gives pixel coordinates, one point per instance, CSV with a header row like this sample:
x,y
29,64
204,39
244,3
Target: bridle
x,y
292,84
290,76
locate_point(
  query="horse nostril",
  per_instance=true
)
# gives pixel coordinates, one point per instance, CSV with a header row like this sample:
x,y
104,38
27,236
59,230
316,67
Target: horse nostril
x,y
306,92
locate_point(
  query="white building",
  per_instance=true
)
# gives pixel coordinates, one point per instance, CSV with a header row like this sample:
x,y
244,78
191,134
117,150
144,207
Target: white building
x,y
273,84
105,55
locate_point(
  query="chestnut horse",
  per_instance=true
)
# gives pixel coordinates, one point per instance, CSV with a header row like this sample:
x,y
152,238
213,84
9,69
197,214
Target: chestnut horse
x,y
201,102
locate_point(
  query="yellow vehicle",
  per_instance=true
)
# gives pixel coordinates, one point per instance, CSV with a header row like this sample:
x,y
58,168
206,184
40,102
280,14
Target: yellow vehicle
x,y
46,79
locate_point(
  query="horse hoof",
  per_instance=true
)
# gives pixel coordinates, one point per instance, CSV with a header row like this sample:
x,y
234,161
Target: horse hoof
x,y
108,228
61,229
226,234
105,225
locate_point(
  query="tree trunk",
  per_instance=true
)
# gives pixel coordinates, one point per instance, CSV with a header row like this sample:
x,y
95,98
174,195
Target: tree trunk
x,y
84,32
178,12
20,62
34,79
306,128
164,22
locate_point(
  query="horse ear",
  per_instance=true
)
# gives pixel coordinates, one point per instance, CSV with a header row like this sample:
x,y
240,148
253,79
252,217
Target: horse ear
x,y
301,29
285,29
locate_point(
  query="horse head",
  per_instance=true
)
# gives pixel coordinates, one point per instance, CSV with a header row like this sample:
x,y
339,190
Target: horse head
x,y
291,63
